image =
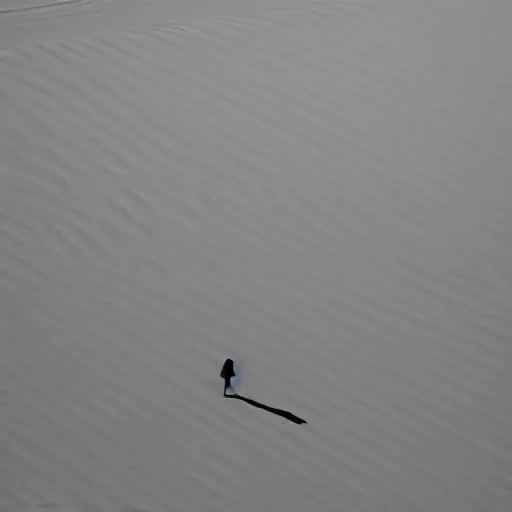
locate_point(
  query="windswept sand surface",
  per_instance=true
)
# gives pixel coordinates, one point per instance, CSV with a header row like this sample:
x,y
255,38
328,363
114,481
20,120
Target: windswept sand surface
x,y
321,191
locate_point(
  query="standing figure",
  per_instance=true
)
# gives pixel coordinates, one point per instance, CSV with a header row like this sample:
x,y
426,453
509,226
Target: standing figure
x,y
226,373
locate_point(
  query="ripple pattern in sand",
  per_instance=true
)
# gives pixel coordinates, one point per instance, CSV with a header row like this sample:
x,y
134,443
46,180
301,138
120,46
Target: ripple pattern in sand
x,y
322,194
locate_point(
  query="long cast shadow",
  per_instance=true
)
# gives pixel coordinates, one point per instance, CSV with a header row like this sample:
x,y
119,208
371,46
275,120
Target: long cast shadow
x,y
284,414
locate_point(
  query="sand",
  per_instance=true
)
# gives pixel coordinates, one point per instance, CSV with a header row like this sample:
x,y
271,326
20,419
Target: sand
x,y
320,191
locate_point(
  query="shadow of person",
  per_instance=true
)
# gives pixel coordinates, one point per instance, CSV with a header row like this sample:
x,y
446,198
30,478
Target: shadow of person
x,y
279,412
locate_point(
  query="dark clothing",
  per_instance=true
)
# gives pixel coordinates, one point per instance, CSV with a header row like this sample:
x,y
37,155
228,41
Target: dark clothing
x,y
228,369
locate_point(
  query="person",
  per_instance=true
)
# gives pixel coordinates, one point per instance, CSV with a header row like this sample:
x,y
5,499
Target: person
x,y
227,373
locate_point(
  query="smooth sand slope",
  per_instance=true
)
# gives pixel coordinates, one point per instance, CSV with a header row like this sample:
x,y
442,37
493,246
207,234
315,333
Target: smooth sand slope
x,y
321,193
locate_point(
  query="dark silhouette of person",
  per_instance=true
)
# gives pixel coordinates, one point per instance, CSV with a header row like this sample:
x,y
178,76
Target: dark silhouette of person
x,y
226,373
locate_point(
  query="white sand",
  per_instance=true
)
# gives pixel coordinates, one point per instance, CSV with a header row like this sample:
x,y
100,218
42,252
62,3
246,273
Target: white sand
x,y
321,191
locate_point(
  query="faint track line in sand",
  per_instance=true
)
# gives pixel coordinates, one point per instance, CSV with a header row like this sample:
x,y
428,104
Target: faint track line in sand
x,y
61,3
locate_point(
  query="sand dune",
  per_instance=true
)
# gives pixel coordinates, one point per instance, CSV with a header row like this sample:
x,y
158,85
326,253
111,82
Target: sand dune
x,y
320,191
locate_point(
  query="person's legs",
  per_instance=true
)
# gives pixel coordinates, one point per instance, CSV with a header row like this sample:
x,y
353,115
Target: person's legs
x,y
227,385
